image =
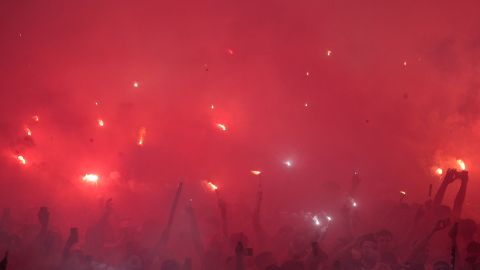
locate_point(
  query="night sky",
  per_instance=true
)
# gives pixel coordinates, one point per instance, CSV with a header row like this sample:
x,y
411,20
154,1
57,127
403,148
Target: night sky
x,y
386,88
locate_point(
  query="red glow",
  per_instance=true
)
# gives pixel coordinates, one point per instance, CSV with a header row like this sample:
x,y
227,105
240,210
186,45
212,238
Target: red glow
x,y
100,122
256,172
439,171
36,118
28,131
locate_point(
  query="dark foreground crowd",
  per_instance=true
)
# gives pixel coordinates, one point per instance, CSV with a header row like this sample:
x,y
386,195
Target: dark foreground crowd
x,y
398,236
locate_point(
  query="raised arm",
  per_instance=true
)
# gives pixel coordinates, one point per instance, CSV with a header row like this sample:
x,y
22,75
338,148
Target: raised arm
x,y
449,178
460,198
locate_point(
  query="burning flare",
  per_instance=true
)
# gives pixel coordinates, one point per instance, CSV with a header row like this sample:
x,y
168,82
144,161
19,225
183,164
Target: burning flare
x,y
100,122
403,193
92,178
461,164
28,131
316,221
141,136
22,160
135,84
222,127
212,186
256,172
439,171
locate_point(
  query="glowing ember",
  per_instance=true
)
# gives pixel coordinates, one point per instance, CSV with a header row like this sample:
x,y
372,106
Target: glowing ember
x,y
212,186
329,218
22,160
403,193
100,122
212,107
439,171
461,164
92,178
28,131
222,127
141,136
36,118
136,84
329,52
256,172
288,163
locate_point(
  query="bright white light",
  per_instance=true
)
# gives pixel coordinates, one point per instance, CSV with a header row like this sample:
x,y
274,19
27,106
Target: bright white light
x,y
329,52
136,84
329,218
316,221
93,178
288,163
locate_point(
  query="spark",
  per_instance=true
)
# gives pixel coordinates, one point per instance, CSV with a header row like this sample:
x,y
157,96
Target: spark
x,y
404,63
36,118
212,107
329,218
439,171
256,172
306,104
288,163
403,193
212,186
22,160
92,178
354,203
316,221
222,127
100,122
141,136
307,74
461,164
230,52
136,84
96,103
329,52
28,131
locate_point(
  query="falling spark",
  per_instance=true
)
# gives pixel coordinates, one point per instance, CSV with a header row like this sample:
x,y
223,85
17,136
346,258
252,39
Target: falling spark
x,y
36,118
22,160
222,127
354,203
288,163
329,218
92,178
100,122
212,186
136,84
96,103
141,136
461,164
230,52
403,193
256,172
212,107
306,104
307,74
439,171
316,221
404,63
28,131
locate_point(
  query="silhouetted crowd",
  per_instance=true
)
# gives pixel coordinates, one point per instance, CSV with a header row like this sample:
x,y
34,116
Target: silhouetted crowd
x,y
398,235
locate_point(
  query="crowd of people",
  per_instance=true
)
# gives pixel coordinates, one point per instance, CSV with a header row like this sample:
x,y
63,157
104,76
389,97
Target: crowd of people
x,y
430,235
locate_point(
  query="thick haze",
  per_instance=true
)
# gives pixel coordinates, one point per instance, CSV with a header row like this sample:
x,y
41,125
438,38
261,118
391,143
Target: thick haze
x,y
397,96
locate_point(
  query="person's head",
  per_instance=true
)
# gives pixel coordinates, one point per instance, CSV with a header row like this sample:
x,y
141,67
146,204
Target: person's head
x,y
170,265
383,239
467,228
368,247
441,265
